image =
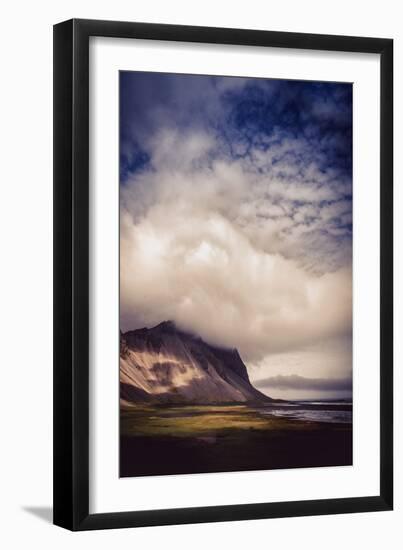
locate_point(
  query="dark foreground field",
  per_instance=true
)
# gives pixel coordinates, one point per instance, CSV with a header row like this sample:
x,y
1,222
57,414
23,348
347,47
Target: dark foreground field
x,y
200,439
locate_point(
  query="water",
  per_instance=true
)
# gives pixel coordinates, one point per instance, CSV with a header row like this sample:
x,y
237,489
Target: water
x,y
317,411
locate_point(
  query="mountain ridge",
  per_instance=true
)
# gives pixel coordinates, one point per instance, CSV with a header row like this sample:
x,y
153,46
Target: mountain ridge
x,y
165,364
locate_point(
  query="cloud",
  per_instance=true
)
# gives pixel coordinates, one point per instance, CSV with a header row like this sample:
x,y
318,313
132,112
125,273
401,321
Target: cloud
x,y
297,382
200,244
235,218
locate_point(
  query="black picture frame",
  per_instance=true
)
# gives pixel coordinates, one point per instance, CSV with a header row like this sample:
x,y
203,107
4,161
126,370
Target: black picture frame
x,y
71,274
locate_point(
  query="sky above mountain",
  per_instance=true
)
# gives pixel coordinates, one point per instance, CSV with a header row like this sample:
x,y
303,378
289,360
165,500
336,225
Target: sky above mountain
x,y
236,220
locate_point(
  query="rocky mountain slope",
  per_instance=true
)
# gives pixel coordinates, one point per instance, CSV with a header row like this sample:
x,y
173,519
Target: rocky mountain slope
x,y
166,365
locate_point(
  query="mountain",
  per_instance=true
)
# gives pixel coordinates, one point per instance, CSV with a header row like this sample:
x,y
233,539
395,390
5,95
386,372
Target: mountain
x,y
167,365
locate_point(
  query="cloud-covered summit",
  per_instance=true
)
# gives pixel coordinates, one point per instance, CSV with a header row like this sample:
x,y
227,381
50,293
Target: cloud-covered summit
x,y
236,209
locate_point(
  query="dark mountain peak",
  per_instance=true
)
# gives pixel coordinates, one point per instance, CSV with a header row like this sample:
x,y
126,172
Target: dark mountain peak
x,y
160,330
166,326
172,365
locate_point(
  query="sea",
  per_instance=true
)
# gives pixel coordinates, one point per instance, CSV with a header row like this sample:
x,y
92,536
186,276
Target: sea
x,y
334,412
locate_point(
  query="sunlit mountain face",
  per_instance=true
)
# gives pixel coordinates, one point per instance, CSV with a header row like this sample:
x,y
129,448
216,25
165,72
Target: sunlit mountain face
x,y
166,365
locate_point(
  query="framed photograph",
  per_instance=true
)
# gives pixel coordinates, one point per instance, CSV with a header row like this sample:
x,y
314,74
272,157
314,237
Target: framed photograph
x,y
223,229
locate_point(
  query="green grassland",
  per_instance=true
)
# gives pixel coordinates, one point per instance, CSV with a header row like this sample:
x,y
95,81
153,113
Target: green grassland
x,y
180,439
199,421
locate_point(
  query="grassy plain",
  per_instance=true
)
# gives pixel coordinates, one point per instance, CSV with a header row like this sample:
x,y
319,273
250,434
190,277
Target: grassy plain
x,y
158,440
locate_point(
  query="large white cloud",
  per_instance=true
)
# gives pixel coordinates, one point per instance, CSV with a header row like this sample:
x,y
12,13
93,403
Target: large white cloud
x,y
224,250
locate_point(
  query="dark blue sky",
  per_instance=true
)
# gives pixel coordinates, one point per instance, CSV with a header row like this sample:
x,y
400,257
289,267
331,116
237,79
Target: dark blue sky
x,y
249,113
